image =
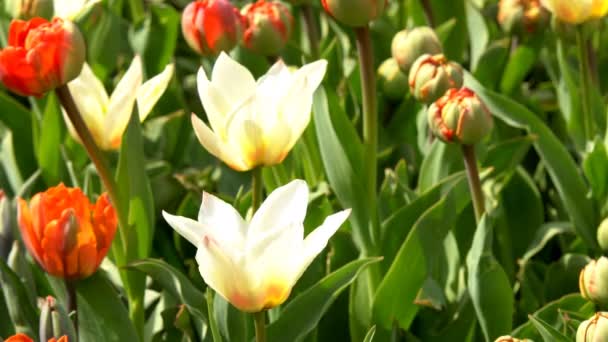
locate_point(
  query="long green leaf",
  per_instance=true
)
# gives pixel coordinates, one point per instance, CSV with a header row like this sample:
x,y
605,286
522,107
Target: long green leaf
x,y
23,314
549,333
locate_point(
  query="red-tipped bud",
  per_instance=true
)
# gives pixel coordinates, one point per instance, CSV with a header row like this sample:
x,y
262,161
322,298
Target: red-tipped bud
x,y
431,76
355,13
212,26
269,26
460,116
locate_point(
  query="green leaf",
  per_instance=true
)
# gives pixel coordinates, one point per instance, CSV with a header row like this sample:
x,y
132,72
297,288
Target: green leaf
x,y
478,33
559,163
518,66
175,283
18,119
370,334
23,314
303,313
489,286
49,158
543,236
442,160
595,168
102,314
549,333
342,153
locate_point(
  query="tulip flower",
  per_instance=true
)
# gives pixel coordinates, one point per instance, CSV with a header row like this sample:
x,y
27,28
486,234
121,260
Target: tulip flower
x,y
70,9
576,12
212,26
431,76
595,329
254,264
66,234
108,117
255,123
269,26
593,281
24,338
41,56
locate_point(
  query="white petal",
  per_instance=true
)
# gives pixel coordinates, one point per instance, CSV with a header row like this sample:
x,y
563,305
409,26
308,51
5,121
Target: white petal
x,y
225,222
70,9
216,106
283,207
215,146
232,80
314,74
149,92
121,102
316,241
91,100
191,230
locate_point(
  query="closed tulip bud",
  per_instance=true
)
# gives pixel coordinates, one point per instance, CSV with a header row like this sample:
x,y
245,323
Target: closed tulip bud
x,y
393,82
268,27
354,13
431,76
510,339
41,56
576,12
409,45
254,264
212,26
67,234
522,16
55,321
595,329
460,116
593,281
602,235
27,9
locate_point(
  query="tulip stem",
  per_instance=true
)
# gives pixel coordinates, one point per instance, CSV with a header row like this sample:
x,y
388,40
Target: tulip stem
x,y
370,122
256,189
259,318
311,28
470,163
72,304
215,333
586,82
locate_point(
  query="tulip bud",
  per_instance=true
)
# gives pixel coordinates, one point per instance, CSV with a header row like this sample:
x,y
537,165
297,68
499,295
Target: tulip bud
x,y
55,321
460,116
408,45
602,235
355,13
393,82
593,281
595,329
510,339
269,25
431,76
41,56
212,26
6,230
522,16
27,9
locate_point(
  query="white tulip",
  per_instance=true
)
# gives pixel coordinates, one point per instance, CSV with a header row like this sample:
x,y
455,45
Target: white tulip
x,y
106,116
255,123
255,264
70,9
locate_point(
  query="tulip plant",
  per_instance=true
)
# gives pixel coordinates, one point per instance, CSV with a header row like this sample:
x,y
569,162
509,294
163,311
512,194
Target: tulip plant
x,y
303,170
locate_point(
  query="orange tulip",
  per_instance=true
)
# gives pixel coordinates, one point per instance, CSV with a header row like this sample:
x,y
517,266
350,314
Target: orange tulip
x,y
25,338
67,235
41,55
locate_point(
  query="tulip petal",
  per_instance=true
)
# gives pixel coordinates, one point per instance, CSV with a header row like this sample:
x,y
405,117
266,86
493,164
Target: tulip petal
x,y
283,207
314,73
317,240
191,230
121,103
91,100
215,146
149,92
216,106
232,80
600,7
227,224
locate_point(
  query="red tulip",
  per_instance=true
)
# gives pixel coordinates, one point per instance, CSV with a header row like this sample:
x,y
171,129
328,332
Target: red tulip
x,y
212,26
269,26
41,55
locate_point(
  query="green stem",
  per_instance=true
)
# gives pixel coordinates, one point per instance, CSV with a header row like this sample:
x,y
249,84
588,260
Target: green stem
x,y
137,10
259,318
256,189
370,123
586,81
72,304
215,333
470,163
311,28
428,11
